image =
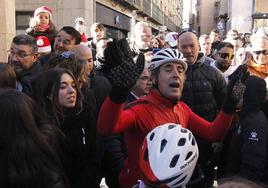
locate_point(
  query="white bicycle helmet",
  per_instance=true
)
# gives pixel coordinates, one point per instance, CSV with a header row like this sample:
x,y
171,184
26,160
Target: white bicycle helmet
x,y
168,156
167,55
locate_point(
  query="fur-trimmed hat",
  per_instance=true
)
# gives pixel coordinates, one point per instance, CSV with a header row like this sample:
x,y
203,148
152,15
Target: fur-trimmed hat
x,y
45,9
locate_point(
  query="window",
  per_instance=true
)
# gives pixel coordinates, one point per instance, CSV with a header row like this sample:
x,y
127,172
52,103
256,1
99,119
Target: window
x,y
22,21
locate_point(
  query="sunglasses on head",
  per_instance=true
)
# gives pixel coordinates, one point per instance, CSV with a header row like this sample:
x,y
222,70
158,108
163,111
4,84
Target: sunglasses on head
x,y
264,52
226,56
186,30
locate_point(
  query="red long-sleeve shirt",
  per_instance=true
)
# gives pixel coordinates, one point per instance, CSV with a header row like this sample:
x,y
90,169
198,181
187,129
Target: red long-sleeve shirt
x,y
141,116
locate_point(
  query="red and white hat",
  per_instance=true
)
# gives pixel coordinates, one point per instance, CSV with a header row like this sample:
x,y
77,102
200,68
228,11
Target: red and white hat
x,y
45,9
43,44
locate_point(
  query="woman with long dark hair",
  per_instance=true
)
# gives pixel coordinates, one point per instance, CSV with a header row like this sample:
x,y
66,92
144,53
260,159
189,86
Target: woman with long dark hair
x,y
57,93
27,159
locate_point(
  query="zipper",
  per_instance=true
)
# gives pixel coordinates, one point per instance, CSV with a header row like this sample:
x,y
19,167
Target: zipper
x,y
83,136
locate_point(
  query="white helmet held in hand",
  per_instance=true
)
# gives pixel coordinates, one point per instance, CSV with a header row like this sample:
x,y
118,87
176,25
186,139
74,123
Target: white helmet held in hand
x,y
168,156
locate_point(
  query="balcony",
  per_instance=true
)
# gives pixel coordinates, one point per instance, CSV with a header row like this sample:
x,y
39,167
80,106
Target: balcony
x,y
134,4
170,25
147,6
157,14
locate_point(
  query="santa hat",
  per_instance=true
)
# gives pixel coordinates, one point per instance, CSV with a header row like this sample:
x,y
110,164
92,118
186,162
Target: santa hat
x,y
43,44
79,20
171,39
45,9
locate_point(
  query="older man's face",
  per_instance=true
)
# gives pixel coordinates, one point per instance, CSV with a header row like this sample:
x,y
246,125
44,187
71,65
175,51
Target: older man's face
x,y
64,42
188,45
143,38
260,51
21,57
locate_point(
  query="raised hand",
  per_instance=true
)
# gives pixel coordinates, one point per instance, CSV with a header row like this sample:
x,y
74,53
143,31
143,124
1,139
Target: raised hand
x,y
124,70
235,88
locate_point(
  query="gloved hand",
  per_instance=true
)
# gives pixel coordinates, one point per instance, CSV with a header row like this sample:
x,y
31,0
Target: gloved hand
x,y
124,72
235,89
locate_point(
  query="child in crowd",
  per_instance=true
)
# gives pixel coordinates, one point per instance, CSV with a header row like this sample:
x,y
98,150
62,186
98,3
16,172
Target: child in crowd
x,y
41,24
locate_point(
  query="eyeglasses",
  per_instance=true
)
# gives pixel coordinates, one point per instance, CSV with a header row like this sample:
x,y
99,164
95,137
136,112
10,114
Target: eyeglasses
x,y
226,56
264,52
65,42
20,54
186,30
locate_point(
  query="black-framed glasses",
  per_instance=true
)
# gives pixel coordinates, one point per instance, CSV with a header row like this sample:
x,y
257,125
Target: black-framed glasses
x,y
264,52
226,56
186,30
20,54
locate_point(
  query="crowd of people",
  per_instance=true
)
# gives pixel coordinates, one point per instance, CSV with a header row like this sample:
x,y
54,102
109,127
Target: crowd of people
x,y
172,110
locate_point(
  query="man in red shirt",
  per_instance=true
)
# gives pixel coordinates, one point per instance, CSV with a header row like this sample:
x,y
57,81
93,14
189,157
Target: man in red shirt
x,y
162,105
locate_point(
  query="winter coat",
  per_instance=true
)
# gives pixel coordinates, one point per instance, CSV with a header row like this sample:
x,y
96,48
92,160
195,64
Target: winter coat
x,y
26,77
248,152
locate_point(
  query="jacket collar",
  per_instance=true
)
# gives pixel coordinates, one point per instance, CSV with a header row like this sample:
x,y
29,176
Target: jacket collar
x,y
33,70
200,60
157,98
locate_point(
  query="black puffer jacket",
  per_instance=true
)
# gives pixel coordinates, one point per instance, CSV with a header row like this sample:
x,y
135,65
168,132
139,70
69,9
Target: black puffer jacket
x,y
204,89
204,92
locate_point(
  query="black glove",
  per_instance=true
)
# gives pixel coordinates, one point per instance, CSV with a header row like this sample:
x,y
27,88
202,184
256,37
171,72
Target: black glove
x,y
235,89
124,72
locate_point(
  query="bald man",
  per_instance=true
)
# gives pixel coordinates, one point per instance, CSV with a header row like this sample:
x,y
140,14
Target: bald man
x,y
84,53
204,91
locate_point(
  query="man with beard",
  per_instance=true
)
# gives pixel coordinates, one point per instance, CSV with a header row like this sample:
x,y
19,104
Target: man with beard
x,y
223,58
23,57
141,40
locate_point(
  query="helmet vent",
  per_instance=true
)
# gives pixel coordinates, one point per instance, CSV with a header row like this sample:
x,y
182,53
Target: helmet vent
x,y
145,155
151,136
171,55
190,136
174,161
179,182
183,130
182,142
189,155
193,141
171,126
163,145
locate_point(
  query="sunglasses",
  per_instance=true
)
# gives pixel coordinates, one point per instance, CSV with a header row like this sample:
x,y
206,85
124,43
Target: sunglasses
x,y
186,30
226,56
264,52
